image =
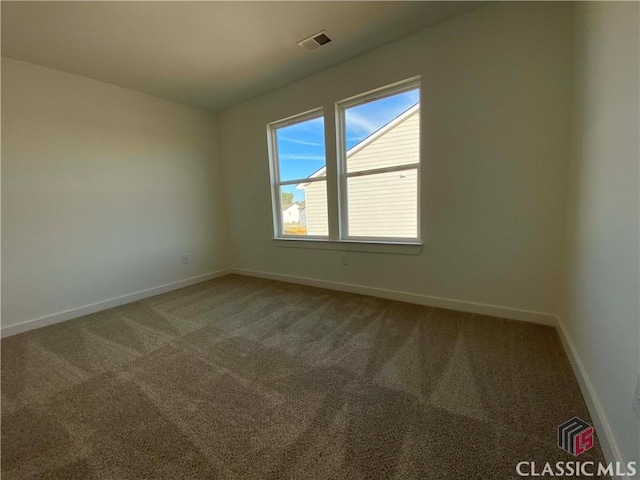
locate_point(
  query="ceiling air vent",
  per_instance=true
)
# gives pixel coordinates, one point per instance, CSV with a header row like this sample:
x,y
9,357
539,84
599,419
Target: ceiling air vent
x,y
315,41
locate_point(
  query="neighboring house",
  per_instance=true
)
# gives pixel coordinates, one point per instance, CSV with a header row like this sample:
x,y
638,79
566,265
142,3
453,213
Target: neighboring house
x,y
381,204
291,213
303,214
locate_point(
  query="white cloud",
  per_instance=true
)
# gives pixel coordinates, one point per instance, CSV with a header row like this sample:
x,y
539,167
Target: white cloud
x,y
365,119
301,142
295,156
360,123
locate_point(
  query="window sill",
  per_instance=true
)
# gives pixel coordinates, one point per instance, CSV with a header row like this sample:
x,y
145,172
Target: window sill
x,y
400,248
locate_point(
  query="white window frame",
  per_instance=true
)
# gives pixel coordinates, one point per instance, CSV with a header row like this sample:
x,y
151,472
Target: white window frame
x,y
274,170
343,175
337,237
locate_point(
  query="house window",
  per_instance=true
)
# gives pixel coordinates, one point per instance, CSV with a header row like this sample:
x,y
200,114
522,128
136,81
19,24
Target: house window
x,y
298,164
375,183
379,164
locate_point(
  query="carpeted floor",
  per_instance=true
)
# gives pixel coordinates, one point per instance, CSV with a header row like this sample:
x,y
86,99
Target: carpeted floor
x,y
246,378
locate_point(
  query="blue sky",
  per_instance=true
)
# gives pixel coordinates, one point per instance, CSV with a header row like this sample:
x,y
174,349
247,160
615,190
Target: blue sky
x,y
301,146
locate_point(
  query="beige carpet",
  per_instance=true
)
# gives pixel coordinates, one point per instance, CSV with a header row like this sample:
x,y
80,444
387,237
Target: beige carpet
x,y
247,378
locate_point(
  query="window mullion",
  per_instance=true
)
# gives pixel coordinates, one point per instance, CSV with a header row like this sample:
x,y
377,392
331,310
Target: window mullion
x,y
302,180
332,173
342,168
374,171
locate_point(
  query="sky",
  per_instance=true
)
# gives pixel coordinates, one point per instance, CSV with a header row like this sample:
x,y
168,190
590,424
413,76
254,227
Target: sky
x,y
301,150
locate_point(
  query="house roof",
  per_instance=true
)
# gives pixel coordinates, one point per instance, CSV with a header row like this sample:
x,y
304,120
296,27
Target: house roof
x,y
368,140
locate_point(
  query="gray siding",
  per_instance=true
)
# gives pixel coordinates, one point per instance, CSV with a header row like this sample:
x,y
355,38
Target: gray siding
x,y
383,205
379,205
316,201
398,146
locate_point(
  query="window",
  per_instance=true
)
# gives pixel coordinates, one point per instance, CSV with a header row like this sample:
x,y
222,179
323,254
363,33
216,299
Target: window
x,y
376,185
298,167
379,156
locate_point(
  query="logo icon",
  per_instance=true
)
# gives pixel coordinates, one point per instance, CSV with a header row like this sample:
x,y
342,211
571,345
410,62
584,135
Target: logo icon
x,y
575,436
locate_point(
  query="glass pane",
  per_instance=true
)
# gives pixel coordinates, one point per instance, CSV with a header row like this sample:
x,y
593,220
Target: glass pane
x,y
383,205
301,149
384,132
304,209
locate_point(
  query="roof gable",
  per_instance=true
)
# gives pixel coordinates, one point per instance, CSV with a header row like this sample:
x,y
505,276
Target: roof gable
x,y
404,116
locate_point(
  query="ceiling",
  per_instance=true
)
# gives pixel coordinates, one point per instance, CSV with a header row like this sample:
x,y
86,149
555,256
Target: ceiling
x,y
210,55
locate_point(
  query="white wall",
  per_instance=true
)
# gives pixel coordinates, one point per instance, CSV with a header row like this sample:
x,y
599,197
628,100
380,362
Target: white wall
x,y
600,312
495,140
103,189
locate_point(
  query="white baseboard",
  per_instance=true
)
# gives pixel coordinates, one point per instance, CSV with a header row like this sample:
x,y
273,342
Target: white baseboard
x,y
482,309
460,305
603,429
104,305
